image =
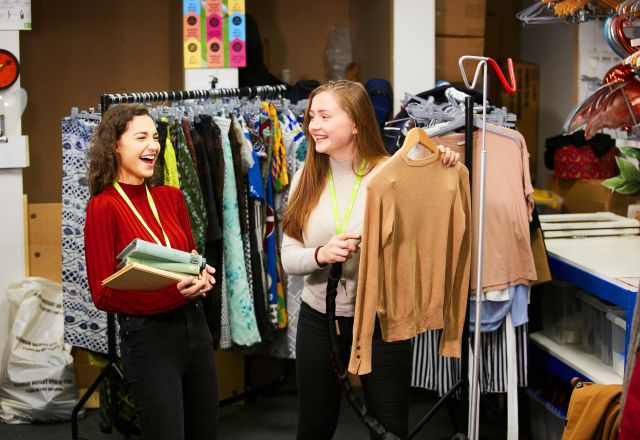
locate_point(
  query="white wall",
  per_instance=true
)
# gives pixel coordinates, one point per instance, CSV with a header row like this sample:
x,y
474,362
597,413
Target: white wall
x,y
200,79
12,218
595,57
553,47
414,47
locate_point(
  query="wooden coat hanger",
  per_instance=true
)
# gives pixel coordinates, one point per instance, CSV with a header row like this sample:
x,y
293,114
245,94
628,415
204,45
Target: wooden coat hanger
x,y
418,136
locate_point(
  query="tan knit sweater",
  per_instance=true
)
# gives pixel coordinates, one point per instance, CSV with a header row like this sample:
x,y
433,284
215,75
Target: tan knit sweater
x,y
414,267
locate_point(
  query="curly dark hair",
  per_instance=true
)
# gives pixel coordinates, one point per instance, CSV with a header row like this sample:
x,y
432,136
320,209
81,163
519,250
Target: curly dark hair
x,y
103,160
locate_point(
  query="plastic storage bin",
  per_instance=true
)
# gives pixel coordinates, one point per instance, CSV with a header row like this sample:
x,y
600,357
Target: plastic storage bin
x,y
546,421
618,333
561,317
596,329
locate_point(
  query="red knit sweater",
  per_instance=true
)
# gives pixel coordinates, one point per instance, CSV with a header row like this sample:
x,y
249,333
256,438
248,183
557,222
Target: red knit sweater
x,y
111,225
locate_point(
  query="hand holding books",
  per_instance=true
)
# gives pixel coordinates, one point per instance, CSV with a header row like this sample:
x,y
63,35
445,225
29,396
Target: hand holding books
x,y
148,266
191,288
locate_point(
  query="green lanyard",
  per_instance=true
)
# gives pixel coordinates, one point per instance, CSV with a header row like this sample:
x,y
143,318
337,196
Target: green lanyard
x,y
116,185
341,228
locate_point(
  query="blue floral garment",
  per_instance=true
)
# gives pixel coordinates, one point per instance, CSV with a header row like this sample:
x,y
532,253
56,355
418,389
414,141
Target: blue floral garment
x,y
244,328
84,325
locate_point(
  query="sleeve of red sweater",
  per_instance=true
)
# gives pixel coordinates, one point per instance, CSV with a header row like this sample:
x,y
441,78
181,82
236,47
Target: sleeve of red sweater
x,y
101,227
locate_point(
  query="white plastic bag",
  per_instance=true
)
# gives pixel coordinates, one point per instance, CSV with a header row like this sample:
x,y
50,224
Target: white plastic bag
x,y
38,380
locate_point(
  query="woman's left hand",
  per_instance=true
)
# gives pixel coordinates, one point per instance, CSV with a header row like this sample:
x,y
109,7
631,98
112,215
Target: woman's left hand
x,y
206,276
449,157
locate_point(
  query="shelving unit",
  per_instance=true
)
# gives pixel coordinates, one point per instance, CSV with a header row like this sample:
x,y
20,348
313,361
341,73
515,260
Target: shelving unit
x,y
604,266
567,362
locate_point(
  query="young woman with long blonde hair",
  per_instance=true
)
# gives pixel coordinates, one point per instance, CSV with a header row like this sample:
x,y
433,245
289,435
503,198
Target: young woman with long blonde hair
x,y
322,225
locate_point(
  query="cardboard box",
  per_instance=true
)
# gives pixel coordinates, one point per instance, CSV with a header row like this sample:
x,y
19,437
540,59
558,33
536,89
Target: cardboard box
x,y
590,196
460,17
525,104
85,375
448,52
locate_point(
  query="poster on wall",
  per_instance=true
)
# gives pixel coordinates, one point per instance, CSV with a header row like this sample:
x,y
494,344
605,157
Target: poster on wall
x,y
15,15
214,34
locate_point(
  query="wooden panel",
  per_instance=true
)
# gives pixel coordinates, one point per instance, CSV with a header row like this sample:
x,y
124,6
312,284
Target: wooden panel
x,y
25,220
45,240
78,50
371,23
297,33
230,366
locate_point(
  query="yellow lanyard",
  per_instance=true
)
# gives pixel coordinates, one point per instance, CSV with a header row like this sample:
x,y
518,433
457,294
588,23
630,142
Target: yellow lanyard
x,y
116,185
342,226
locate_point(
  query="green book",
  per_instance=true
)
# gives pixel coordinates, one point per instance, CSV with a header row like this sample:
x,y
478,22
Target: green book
x,y
186,268
144,249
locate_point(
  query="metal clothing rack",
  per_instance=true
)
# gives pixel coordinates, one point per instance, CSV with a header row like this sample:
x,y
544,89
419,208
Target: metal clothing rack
x,y
473,387
112,370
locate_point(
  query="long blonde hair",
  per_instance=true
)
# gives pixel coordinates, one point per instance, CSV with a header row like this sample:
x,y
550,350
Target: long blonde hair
x,y
354,100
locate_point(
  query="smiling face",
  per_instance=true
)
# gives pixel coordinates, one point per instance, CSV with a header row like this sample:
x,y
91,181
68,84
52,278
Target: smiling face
x,y
137,150
331,128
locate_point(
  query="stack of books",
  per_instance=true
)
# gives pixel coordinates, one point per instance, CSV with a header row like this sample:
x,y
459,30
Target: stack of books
x,y
149,266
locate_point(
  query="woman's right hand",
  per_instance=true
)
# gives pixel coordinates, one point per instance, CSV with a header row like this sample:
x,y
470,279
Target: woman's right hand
x,y
339,249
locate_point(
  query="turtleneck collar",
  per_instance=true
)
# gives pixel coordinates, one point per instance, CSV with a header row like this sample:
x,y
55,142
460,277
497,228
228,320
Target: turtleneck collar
x,y
342,166
133,190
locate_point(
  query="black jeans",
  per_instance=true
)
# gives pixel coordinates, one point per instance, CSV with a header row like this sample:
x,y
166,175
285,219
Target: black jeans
x,y
386,388
169,370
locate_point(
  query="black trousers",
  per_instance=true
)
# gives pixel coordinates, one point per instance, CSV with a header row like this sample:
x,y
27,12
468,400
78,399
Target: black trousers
x,y
386,388
170,372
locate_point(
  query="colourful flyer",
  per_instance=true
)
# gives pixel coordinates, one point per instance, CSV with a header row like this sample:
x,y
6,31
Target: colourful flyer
x,y
236,6
237,28
214,33
192,56
191,34
214,19
237,53
215,53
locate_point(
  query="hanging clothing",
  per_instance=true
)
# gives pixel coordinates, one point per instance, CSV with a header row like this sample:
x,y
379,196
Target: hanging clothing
x,y
438,373
277,309
496,304
192,191
508,208
279,167
240,177
244,328
171,177
208,172
422,284
276,300
256,196
85,326
186,126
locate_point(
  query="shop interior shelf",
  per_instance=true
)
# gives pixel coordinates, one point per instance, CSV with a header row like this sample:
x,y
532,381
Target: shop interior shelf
x,y
574,362
606,267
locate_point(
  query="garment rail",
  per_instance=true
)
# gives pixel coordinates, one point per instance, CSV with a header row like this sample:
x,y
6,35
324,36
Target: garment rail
x,y
111,369
472,389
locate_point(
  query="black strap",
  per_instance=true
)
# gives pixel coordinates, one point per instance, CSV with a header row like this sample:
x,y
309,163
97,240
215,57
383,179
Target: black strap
x,y
339,369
